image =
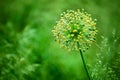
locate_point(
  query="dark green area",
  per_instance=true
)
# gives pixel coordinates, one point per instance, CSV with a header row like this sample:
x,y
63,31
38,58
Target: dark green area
x,y
28,50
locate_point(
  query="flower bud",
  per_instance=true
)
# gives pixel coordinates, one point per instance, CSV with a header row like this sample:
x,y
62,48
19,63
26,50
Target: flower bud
x,y
75,27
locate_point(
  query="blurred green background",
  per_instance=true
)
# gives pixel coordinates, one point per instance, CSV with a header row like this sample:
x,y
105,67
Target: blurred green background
x,y
28,50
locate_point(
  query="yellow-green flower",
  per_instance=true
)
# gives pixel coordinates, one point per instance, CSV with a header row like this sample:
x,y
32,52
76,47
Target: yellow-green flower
x,y
75,27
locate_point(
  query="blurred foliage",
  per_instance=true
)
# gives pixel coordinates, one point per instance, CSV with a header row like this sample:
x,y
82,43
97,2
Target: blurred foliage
x,y
106,62
28,50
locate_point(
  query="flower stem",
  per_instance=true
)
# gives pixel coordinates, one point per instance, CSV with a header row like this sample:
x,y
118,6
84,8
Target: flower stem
x,y
84,62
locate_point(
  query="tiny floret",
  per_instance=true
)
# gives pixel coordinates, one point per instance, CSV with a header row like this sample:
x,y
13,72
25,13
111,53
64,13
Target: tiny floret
x,y
75,27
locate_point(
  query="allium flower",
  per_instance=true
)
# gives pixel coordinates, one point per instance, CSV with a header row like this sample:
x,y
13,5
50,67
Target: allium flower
x,y
75,27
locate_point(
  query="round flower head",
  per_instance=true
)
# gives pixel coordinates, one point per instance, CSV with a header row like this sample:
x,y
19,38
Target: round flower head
x,y
75,27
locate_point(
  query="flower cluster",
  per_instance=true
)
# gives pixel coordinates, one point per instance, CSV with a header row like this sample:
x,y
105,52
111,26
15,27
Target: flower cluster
x,y
75,27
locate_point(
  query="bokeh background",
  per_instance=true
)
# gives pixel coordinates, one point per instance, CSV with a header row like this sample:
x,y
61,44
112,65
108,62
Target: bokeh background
x,y
28,50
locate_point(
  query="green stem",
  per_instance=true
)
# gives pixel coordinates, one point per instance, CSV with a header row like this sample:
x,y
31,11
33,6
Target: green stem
x,y
84,62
